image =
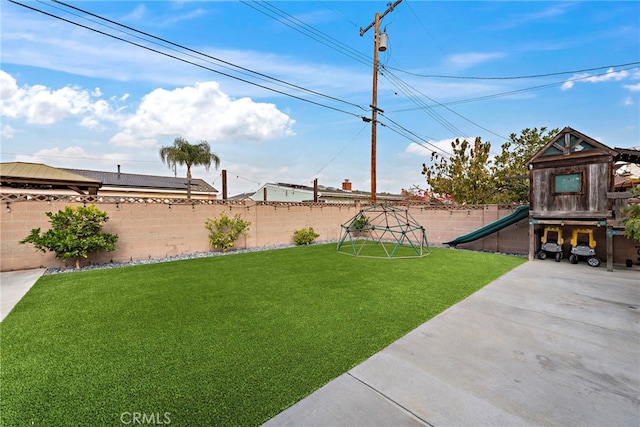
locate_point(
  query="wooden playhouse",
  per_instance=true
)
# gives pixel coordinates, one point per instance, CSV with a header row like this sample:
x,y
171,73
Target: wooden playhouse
x,y
572,188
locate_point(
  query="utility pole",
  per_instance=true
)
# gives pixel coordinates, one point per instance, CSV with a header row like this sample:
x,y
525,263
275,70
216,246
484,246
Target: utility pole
x,y
374,107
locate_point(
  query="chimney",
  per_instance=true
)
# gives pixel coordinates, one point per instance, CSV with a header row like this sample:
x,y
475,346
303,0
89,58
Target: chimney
x,y
118,171
346,185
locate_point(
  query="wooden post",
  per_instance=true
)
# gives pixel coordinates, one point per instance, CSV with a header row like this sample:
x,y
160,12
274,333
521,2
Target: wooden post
x,y
315,190
610,234
532,240
224,184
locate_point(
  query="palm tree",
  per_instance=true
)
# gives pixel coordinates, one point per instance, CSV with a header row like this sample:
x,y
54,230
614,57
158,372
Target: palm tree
x,y
183,153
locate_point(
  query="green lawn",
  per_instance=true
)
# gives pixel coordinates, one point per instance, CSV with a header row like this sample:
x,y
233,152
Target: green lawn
x,y
229,340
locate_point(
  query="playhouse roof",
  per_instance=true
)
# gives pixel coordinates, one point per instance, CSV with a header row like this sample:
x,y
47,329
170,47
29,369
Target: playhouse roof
x,y
571,143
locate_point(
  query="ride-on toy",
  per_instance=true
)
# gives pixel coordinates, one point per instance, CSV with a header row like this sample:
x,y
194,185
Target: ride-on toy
x,y
583,248
550,244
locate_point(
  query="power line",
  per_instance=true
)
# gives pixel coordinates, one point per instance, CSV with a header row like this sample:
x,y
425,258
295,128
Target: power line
x,y
422,144
338,13
423,26
339,152
303,28
307,30
513,92
457,114
208,56
409,92
532,76
294,24
243,178
185,60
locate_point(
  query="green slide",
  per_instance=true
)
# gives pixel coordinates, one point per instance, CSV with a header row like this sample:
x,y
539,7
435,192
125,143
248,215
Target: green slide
x,y
519,214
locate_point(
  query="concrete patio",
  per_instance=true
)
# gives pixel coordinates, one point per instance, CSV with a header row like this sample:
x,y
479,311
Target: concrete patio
x,y
547,344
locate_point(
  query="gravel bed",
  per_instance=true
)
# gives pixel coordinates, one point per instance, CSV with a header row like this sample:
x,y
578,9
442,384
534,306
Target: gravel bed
x,y
58,270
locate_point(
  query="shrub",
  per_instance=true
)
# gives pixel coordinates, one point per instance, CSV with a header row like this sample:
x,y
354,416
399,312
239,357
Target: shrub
x,y
632,219
75,233
360,223
224,232
304,236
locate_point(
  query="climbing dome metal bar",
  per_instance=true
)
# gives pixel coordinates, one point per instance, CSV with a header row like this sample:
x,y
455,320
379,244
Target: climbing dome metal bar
x,y
383,231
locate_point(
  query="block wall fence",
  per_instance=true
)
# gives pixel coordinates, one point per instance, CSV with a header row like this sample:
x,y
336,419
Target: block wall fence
x,y
148,228
152,228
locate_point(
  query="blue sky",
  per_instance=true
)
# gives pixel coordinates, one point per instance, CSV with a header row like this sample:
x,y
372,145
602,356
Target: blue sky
x,y
74,98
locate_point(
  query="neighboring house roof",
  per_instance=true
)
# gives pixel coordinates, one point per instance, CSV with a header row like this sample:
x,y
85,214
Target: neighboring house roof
x,y
241,196
285,192
118,179
625,182
40,172
36,175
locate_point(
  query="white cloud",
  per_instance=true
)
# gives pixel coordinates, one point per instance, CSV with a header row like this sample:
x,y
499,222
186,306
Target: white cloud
x,y
70,157
137,14
202,112
42,105
633,88
67,155
426,149
8,86
469,59
125,139
587,78
199,112
7,131
628,101
418,150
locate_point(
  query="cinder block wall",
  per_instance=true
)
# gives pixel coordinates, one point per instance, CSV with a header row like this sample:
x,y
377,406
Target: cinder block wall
x,y
154,230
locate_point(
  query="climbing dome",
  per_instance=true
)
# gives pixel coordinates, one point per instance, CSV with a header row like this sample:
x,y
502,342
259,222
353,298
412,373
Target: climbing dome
x,y
383,231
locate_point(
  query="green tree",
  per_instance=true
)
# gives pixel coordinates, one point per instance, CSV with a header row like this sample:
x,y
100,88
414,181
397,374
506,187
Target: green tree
x,y
471,177
465,176
183,153
509,170
75,233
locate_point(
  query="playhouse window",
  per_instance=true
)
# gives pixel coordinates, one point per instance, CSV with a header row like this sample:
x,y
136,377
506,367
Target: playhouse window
x,y
569,183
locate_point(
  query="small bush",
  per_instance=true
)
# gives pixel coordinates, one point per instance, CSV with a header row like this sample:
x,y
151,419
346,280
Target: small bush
x,y
632,219
75,233
360,223
224,232
304,236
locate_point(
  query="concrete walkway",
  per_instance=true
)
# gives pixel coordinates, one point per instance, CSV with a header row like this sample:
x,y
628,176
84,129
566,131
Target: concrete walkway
x,y
14,285
547,344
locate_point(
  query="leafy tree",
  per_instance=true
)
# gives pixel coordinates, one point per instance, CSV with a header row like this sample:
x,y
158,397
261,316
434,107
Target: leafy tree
x,y
509,169
224,232
183,153
75,233
632,220
470,176
465,176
